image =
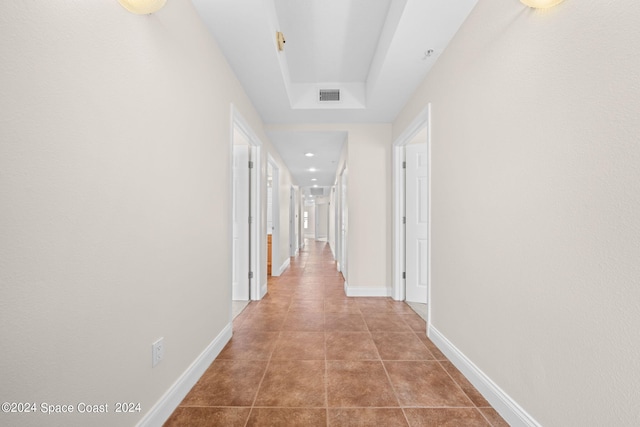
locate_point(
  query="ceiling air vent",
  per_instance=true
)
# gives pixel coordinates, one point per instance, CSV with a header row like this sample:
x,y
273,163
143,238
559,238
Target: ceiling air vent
x,y
325,95
316,191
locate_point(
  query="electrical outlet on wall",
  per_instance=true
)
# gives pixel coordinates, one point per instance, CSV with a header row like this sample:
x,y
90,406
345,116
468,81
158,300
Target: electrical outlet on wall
x,y
157,352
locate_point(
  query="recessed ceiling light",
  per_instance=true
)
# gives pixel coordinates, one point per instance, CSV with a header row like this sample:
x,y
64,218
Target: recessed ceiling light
x,y
312,169
314,179
316,185
309,154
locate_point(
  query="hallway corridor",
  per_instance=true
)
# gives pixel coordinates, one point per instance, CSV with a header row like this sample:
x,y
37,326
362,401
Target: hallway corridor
x,y
306,355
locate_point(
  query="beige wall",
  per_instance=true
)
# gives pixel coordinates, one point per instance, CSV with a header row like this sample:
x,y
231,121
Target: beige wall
x,y
114,187
369,204
536,225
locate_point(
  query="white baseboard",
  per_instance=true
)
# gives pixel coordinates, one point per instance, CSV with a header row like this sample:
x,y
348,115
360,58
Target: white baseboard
x,y
168,403
283,267
501,401
356,291
263,290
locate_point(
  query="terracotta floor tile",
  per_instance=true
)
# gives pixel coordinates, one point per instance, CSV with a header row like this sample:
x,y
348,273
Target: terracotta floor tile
x,y
350,346
303,321
465,385
415,322
494,418
227,383
374,304
345,306
337,294
249,344
205,417
279,298
308,355
307,305
237,322
293,383
304,295
269,311
299,346
344,322
288,417
437,354
425,384
358,384
312,280
264,322
401,307
400,346
385,323
445,417
360,417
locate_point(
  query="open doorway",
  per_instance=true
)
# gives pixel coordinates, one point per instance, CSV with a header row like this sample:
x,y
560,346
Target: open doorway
x,y
412,215
344,223
269,219
417,221
293,221
241,208
273,218
245,200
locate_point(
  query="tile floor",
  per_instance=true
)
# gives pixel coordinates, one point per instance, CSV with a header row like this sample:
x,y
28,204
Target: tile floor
x,y
306,355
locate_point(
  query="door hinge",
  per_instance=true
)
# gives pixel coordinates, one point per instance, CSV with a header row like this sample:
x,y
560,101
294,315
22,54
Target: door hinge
x,y
404,275
404,219
404,165
250,219
250,164
251,275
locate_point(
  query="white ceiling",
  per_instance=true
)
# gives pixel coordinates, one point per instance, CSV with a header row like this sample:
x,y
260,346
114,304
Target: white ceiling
x,y
374,51
326,147
331,40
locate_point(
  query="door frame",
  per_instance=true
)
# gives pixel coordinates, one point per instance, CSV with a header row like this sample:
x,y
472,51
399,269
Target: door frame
x,y
422,120
293,236
275,217
344,224
255,264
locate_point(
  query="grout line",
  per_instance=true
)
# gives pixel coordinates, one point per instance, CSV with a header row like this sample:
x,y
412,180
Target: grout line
x,y
455,382
485,417
295,286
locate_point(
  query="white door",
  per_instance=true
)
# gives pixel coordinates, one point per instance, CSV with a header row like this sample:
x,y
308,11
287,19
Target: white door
x,y
293,246
241,248
322,221
417,228
344,223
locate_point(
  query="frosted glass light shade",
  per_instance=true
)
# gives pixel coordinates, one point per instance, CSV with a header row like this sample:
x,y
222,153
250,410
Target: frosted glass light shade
x,y
142,7
541,4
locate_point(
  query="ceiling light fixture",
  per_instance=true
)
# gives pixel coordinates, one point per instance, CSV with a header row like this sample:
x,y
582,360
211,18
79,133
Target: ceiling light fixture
x,y
312,169
142,7
314,179
280,41
309,154
541,4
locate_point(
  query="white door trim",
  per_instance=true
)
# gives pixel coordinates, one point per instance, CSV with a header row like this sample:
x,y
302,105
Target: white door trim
x,y
275,217
421,121
293,239
238,122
